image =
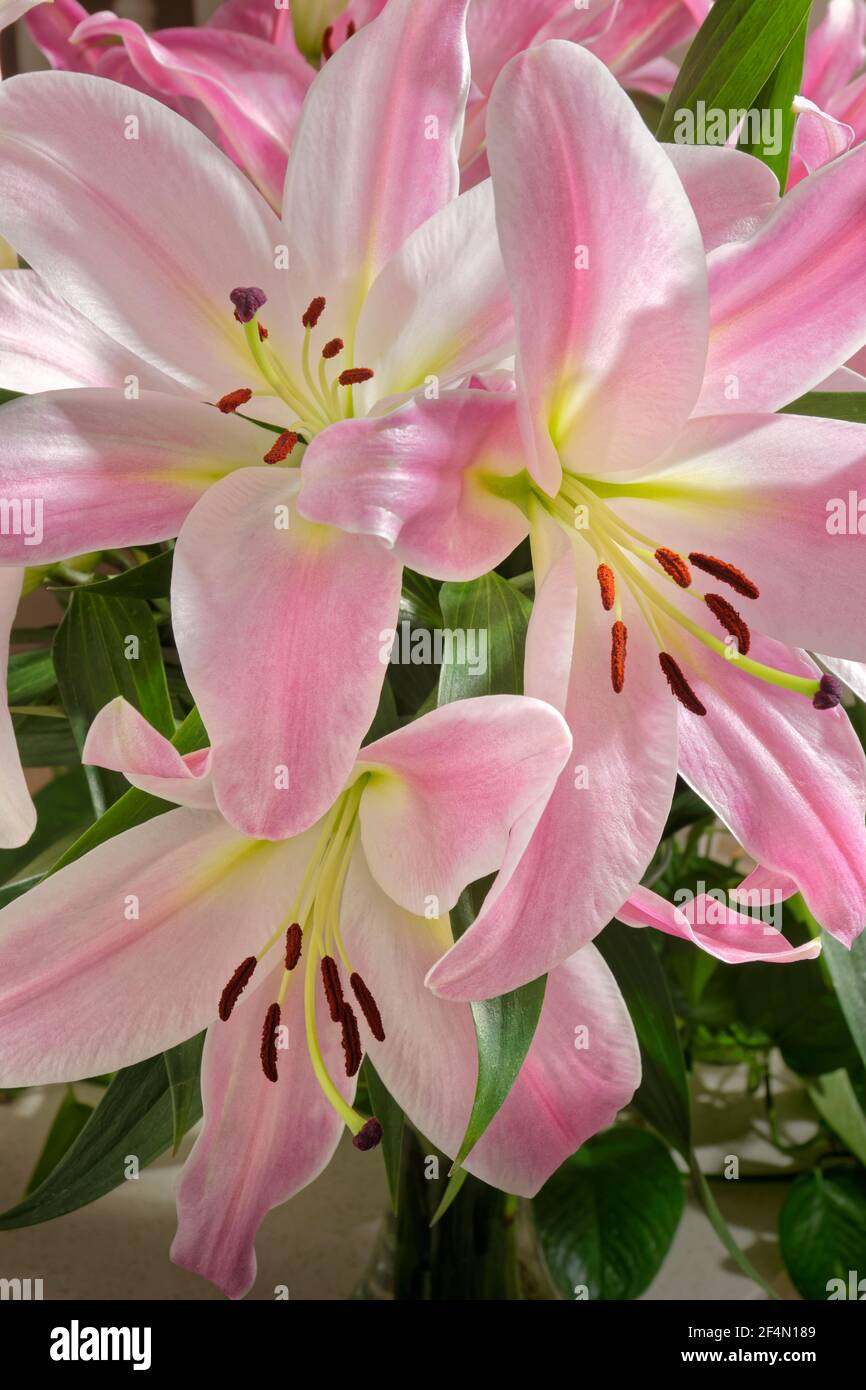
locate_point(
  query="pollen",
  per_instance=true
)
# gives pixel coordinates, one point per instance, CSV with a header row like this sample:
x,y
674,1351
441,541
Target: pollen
x,y
675,566
269,1042
678,683
235,987
369,1136
247,301
229,403
728,574
619,639
730,621
369,1007
332,347
351,1040
607,585
313,311
353,376
294,939
282,448
333,988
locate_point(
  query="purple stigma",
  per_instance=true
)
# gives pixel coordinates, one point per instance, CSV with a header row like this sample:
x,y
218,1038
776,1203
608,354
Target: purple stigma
x,y
247,302
829,693
369,1136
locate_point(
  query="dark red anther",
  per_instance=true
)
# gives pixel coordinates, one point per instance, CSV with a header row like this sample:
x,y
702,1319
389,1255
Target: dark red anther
x,y
728,574
328,43
829,693
351,1040
332,347
369,1007
269,1042
675,566
229,403
618,642
730,621
247,301
369,1136
282,448
351,28
294,939
679,685
607,585
353,376
333,988
235,987
263,332
313,311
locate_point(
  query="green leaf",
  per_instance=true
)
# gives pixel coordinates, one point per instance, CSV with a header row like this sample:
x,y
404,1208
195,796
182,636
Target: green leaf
x,y
607,1217
391,1118
836,1101
63,811
134,807
105,648
830,405
44,742
152,579
848,973
777,98
30,677
733,57
488,618
68,1123
9,395
183,1067
649,108
663,1095
450,1195
822,1230
133,1119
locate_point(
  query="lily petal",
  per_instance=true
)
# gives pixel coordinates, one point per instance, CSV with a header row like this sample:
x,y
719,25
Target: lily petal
x,y
17,812
134,943
446,790
293,630
419,479
605,261
160,245
120,738
260,1142
428,1059
835,50
732,194
108,470
788,306
714,927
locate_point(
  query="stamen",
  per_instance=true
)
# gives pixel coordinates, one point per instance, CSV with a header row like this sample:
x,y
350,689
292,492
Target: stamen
x,y
247,301
829,693
235,987
730,621
728,574
678,683
333,988
369,1007
607,585
327,44
351,1040
269,1042
313,311
675,566
619,638
353,376
263,332
294,938
369,1136
332,347
282,448
229,403
351,29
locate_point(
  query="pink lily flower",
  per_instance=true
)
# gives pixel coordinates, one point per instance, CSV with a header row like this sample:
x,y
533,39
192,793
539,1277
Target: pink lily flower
x,y
832,104
17,812
175,280
635,489
299,956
